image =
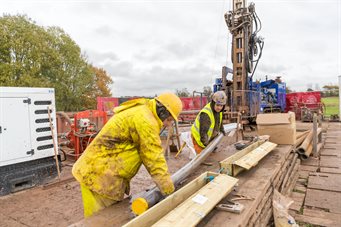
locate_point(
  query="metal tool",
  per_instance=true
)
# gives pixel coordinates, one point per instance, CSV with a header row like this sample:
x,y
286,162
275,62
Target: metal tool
x,y
231,207
182,147
173,147
240,197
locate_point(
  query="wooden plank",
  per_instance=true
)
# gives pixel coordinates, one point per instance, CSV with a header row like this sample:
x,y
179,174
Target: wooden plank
x,y
311,161
280,175
314,220
252,158
265,218
326,200
308,168
333,141
298,200
155,213
295,164
330,170
303,174
260,206
303,182
227,164
300,188
322,214
331,152
58,183
295,207
330,162
332,136
324,181
330,146
291,186
190,212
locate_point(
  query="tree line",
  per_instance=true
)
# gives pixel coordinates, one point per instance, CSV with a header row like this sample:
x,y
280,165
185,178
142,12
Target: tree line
x,y
35,56
207,91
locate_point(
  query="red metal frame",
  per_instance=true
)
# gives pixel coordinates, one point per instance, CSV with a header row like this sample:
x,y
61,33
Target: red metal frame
x,y
83,138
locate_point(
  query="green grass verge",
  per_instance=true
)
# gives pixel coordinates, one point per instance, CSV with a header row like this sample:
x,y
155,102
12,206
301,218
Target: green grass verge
x,y
332,105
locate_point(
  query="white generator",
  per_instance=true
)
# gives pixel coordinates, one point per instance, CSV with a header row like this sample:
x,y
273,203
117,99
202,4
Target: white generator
x,y
26,144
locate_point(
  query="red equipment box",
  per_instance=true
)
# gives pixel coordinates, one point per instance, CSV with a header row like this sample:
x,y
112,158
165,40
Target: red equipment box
x,y
298,100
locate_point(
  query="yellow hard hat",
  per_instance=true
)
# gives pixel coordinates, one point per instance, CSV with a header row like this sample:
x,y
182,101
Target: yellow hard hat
x,y
172,102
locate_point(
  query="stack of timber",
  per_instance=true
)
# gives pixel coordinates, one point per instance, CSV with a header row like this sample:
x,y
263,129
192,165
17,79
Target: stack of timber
x,y
278,170
187,206
246,158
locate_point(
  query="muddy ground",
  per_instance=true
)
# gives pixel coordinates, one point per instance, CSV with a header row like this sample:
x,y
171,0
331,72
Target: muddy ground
x,y
61,204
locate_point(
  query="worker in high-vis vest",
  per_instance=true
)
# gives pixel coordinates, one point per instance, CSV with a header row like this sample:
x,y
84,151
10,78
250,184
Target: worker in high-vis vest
x,y
128,140
208,124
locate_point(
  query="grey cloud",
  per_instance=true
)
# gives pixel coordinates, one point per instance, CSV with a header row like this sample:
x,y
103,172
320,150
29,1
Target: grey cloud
x,y
267,68
180,50
131,81
86,6
104,30
100,57
121,70
169,51
172,45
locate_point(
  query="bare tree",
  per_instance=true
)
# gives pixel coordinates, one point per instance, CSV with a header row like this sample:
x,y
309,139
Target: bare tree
x,y
182,92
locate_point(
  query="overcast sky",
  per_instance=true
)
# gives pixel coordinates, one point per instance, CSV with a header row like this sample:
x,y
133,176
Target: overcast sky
x,y
148,47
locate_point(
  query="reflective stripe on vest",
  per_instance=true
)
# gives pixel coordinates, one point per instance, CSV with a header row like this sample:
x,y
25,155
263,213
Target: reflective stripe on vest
x,y
195,130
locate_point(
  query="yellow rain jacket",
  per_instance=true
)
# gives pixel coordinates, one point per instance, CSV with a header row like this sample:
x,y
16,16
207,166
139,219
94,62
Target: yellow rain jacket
x,y
130,138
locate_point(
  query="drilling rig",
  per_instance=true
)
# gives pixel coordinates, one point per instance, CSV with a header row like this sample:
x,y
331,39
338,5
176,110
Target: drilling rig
x,y
243,94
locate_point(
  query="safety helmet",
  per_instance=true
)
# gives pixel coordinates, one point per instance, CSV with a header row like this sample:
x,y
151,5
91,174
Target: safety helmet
x,y
219,98
172,103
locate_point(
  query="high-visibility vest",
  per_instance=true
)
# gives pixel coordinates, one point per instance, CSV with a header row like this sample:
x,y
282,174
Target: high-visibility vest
x,y
195,130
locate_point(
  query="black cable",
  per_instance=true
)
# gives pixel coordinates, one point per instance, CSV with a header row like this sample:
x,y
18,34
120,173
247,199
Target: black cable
x,y
256,24
260,22
260,54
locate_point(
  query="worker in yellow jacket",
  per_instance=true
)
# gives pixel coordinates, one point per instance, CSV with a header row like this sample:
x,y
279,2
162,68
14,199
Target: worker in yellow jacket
x,y
128,139
208,122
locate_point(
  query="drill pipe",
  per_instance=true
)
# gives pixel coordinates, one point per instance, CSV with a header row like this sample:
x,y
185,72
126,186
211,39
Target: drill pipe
x,y
300,140
301,134
154,195
309,150
304,146
307,146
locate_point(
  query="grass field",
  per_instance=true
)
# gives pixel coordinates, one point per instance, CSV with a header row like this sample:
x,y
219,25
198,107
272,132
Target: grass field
x,y
332,105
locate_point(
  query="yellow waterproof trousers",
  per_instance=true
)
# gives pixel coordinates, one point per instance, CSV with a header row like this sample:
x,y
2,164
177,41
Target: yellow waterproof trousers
x,y
94,202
